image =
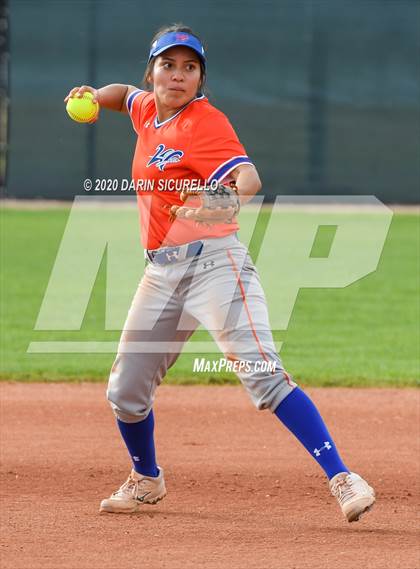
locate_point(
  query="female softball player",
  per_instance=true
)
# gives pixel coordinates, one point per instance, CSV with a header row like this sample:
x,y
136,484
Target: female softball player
x,y
192,174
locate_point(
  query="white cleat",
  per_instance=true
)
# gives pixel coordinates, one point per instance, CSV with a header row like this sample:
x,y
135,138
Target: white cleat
x,y
136,491
354,494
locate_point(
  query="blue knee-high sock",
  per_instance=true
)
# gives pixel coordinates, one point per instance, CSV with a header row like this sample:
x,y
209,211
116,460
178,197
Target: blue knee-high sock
x,y
302,418
140,443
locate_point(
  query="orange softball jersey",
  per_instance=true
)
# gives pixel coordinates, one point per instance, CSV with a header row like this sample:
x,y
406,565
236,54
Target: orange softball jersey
x,y
195,146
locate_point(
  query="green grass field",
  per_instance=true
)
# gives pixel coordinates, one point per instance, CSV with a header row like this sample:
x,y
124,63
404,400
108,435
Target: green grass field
x,y
366,334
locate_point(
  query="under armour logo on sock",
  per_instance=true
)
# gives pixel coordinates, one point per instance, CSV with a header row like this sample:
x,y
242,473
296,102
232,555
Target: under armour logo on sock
x,y
327,445
208,264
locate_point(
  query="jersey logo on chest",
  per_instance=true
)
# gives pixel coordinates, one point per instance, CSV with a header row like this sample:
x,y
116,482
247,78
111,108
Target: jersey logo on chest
x,y
164,156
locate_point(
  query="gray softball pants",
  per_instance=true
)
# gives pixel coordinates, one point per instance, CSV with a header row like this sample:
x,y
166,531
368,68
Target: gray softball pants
x,y
220,289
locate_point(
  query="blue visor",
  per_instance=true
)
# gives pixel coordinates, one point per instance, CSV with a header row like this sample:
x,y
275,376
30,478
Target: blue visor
x,y
171,39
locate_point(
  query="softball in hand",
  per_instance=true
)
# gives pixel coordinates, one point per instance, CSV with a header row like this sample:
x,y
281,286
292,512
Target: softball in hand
x,y
83,109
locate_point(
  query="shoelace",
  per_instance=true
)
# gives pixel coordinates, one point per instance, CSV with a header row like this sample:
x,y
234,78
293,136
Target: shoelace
x,y
343,489
131,486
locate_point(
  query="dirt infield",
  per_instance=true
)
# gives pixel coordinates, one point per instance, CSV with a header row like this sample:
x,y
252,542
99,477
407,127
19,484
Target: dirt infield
x,y
242,493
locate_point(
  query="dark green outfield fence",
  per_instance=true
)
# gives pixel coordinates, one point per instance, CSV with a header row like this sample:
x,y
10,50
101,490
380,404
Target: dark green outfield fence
x,y
324,94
